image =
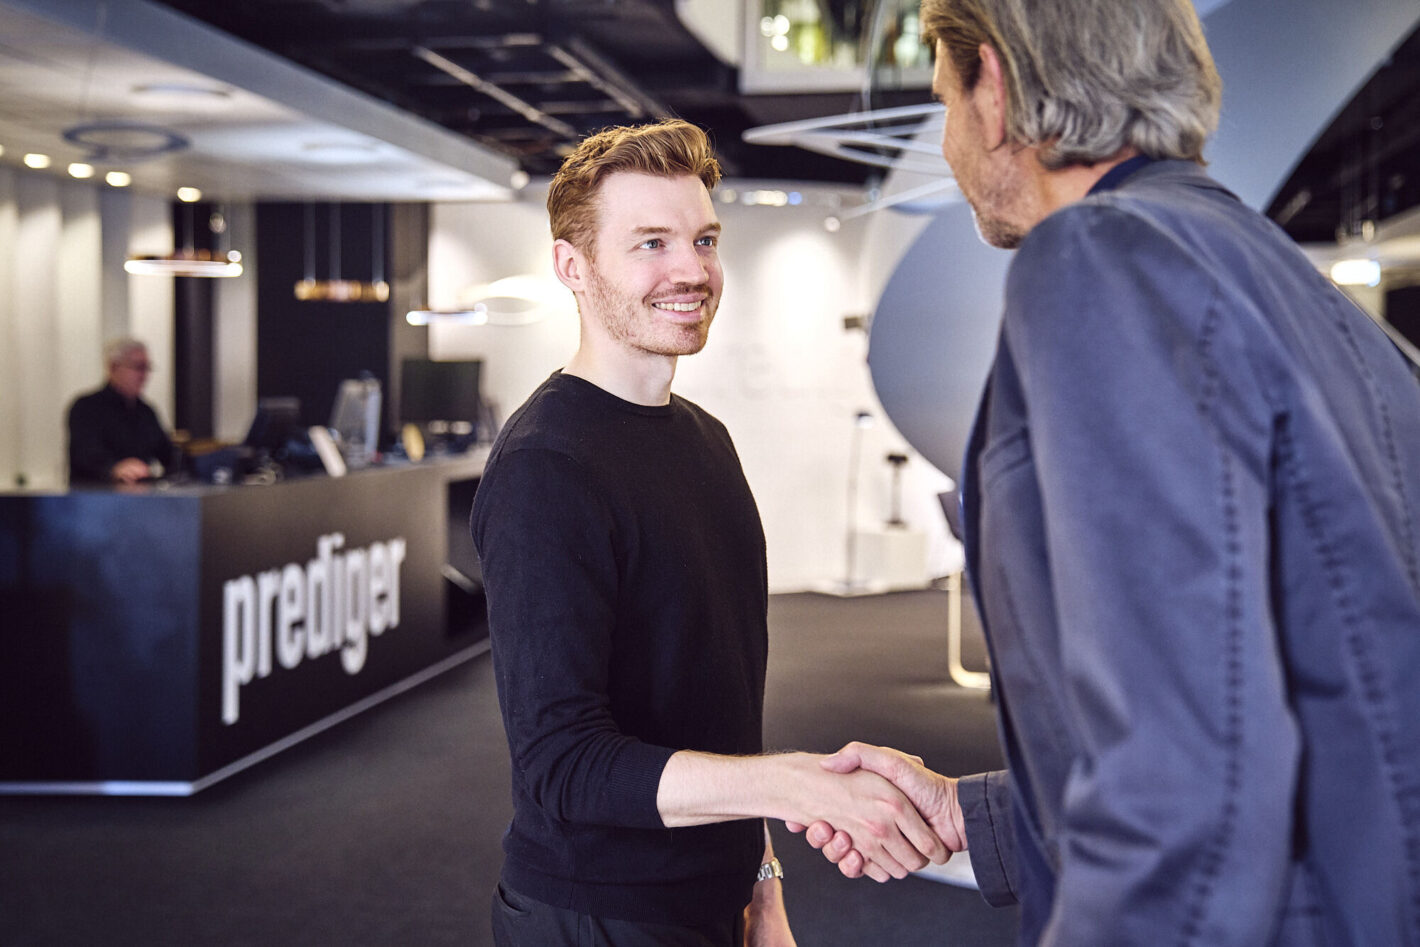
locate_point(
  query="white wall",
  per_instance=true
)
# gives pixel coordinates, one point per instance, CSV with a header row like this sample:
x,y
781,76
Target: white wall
x,y
59,302
780,370
234,332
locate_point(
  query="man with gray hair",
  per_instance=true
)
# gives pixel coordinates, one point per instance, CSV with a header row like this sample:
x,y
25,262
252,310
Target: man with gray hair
x,y
114,435
1191,507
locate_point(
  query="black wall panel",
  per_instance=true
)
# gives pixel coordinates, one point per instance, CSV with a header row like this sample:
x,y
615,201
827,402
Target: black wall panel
x,y
305,349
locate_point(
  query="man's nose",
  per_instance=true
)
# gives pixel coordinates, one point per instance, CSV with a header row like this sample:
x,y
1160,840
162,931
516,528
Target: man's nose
x,y
688,265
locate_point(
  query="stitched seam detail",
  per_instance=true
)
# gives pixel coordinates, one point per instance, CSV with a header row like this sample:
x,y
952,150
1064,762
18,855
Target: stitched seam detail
x,y
1363,662
1212,860
1407,525
991,820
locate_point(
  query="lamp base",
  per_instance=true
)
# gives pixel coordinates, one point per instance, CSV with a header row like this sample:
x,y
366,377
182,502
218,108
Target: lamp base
x,y
850,588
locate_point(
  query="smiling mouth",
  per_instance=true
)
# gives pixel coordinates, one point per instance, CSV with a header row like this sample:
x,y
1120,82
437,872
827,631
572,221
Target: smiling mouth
x,y
679,307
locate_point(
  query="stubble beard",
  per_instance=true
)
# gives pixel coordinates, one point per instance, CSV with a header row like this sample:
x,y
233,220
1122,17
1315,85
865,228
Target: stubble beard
x,y
632,322
992,187
987,210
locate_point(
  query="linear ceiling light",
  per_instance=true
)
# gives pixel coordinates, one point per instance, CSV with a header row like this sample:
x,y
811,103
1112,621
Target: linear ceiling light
x,y
336,289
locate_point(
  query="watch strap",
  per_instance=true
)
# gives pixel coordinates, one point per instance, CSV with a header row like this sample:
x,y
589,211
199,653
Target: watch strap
x,y
770,869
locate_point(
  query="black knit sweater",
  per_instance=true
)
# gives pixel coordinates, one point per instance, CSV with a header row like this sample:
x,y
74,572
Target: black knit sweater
x,y
624,563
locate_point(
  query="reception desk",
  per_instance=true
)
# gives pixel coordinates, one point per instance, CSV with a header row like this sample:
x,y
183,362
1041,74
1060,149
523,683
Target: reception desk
x,y
158,639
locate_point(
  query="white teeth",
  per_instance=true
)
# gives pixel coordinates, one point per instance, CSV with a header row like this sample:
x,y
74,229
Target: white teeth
x,y
678,307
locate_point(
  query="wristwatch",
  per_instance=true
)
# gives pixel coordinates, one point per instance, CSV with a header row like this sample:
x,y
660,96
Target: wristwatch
x,y
770,869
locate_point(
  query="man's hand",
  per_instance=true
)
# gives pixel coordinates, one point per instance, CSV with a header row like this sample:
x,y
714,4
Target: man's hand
x,y
129,470
934,795
699,788
882,824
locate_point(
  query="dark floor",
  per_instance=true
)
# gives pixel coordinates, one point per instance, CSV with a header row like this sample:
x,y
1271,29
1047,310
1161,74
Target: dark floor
x,y
384,830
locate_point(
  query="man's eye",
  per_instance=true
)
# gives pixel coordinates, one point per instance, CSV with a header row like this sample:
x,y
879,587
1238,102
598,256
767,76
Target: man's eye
x,y
653,244
708,241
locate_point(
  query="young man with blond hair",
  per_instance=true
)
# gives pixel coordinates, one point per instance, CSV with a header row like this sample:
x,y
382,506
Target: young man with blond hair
x,y
624,563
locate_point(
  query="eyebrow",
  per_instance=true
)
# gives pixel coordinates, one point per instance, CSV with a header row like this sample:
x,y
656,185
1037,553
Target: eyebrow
x,y
658,231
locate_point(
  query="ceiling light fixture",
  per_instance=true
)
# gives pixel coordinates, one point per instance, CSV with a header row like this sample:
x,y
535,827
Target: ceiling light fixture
x,y
81,170
342,151
118,179
37,161
185,92
188,261
124,141
189,195
519,300
207,263
476,315
335,289
1356,273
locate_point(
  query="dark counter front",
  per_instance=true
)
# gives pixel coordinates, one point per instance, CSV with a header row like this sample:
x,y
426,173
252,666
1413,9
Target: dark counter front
x,y
157,641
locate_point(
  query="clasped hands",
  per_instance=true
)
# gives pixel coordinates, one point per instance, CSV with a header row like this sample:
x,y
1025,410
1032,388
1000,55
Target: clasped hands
x,y
931,833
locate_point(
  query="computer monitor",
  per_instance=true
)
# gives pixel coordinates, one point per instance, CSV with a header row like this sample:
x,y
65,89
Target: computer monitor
x,y
432,391
355,419
276,423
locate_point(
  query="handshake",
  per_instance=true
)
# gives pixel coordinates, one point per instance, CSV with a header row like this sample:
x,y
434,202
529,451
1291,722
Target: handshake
x,y
886,816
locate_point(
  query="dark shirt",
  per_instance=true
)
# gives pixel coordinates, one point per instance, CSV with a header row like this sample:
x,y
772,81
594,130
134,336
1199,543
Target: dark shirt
x,y
104,428
625,569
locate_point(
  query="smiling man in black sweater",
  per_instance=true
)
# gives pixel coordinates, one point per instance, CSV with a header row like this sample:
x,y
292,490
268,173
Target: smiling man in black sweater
x,y
625,569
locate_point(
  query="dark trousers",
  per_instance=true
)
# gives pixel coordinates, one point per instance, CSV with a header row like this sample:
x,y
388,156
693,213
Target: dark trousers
x,y
520,921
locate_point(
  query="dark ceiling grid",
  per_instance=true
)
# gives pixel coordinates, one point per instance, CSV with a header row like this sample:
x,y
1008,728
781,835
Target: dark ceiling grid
x,y
1366,164
577,65
527,78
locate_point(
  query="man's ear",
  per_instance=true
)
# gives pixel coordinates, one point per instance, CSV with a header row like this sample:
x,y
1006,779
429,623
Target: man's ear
x,y
989,96
570,265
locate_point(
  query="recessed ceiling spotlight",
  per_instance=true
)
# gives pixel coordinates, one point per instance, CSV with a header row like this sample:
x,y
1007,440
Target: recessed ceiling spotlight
x,y
118,178
81,170
440,184
518,179
189,195
182,90
336,151
36,160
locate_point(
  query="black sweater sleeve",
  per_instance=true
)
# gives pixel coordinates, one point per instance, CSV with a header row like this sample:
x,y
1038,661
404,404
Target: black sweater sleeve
x,y
546,539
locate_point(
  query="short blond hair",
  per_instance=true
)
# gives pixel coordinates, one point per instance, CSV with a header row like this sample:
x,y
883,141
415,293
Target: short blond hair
x,y
668,148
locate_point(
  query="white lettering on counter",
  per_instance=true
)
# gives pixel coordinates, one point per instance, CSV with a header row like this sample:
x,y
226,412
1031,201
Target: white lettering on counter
x,y
286,615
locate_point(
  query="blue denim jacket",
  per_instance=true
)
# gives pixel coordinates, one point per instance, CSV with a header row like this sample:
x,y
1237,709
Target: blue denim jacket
x,y
1192,517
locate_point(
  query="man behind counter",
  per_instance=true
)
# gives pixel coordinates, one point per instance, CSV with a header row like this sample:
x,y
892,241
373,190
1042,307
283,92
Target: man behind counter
x,y
114,435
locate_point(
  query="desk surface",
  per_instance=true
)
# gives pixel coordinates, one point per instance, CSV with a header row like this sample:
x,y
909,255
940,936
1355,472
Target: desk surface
x,y
469,464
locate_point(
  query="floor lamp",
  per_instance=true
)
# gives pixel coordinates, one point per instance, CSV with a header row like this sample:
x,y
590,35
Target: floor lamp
x,y
851,585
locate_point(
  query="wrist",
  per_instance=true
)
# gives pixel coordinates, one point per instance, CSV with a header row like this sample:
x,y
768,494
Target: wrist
x,y
770,871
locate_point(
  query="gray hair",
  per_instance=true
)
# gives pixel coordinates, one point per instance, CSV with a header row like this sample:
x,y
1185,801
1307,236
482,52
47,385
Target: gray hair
x,y
116,350
1087,78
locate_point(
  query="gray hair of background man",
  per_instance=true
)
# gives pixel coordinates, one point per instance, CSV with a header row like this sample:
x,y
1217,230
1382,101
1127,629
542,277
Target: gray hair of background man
x,y
116,350
1087,78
